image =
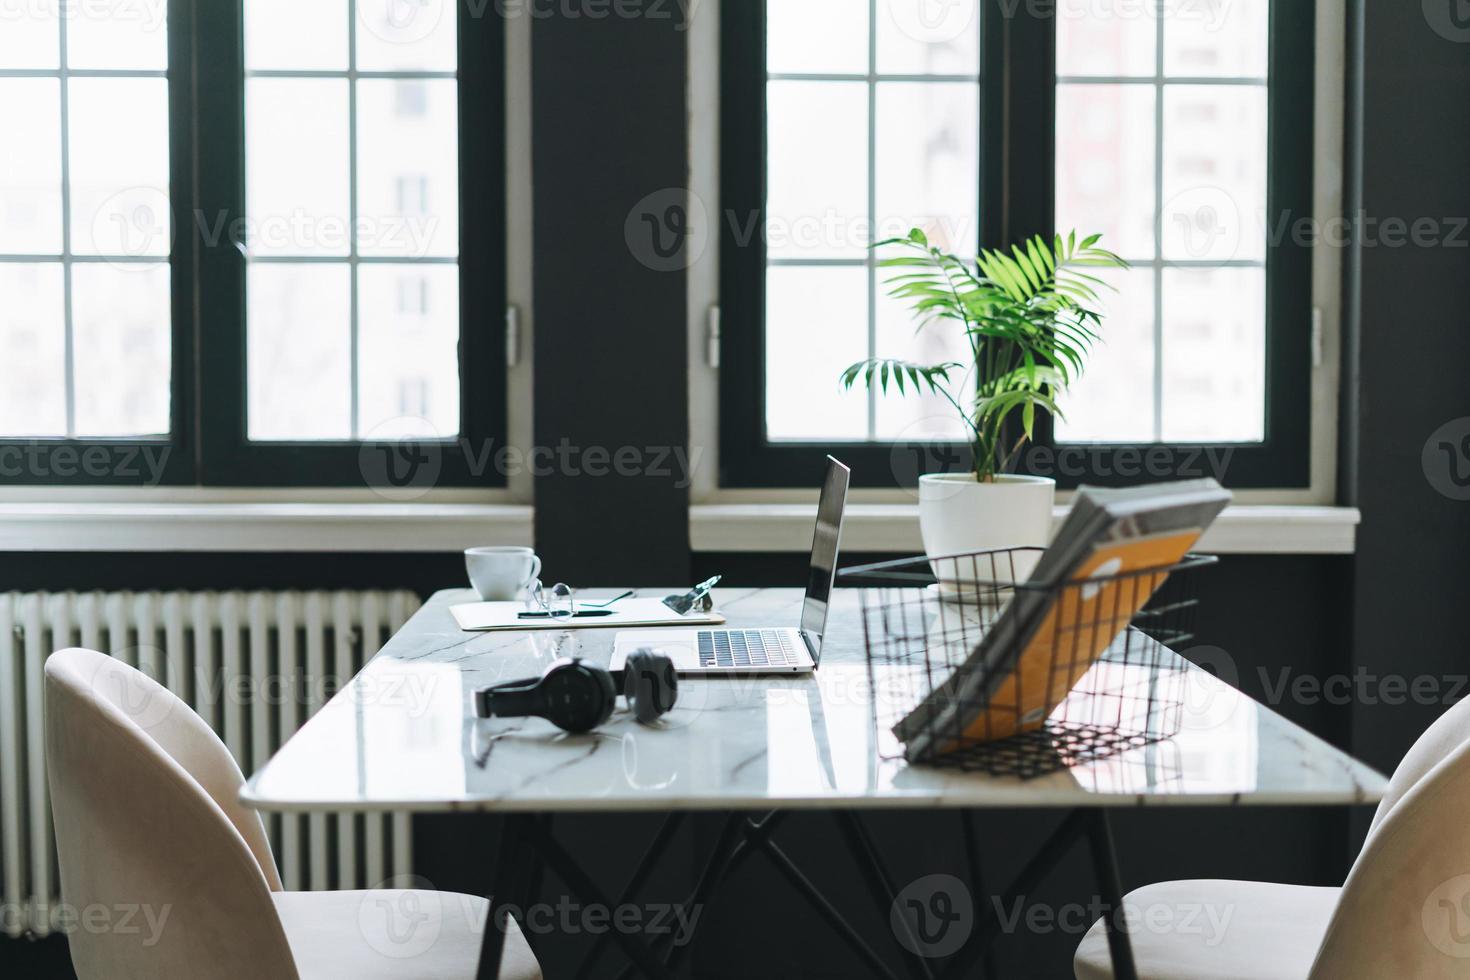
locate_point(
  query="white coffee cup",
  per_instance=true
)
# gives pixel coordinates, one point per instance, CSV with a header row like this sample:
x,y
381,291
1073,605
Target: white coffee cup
x,y
501,574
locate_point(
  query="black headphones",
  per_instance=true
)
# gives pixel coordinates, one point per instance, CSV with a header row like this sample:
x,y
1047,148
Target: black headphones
x,y
577,696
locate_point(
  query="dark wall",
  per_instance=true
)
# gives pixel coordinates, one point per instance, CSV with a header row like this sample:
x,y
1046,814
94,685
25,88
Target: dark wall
x,y
1413,420
610,151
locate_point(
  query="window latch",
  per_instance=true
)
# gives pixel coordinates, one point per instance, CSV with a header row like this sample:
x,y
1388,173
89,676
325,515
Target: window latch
x,y
712,337
512,336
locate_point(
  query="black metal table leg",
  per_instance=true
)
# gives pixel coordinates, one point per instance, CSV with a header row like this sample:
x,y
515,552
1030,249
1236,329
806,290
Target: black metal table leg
x,y
530,887
828,911
724,859
977,883
640,874
756,837
525,841
714,870
753,832
562,865
1110,890
506,892
880,883
987,927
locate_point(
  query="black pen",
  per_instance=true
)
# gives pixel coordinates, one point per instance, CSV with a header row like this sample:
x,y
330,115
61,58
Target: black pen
x,y
585,614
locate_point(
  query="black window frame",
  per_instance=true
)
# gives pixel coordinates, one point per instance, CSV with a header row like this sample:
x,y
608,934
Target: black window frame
x,y
1017,191
208,444
121,462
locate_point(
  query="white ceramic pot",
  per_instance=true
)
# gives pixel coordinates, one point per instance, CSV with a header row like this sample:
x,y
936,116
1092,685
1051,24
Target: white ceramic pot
x,y
958,514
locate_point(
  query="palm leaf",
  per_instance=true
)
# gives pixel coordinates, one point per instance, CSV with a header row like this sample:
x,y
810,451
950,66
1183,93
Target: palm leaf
x,y
1028,313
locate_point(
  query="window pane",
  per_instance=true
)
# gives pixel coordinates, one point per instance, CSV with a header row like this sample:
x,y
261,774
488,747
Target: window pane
x,y
119,166
817,204
32,350
1119,39
292,34
924,167
395,350
408,169
1105,164
928,162
1227,37
106,346
408,367
927,417
30,166
403,35
299,353
120,322
118,35
1114,400
924,37
822,36
297,169
1212,193
816,325
1214,172
30,36
1214,355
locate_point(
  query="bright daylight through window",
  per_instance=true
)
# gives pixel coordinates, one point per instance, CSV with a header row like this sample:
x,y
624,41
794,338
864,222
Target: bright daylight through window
x,y
1161,146
874,126
84,225
352,200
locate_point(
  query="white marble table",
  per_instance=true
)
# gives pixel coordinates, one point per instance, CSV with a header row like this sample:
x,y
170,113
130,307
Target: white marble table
x,y
403,736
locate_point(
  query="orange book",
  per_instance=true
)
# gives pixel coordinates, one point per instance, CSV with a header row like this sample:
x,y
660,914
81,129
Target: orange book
x,y
1076,631
1110,557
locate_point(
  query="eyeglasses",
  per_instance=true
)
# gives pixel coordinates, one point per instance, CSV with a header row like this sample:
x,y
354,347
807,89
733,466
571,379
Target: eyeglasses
x,y
557,602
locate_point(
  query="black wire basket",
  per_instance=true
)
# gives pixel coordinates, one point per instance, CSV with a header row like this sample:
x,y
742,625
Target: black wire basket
x,y
976,668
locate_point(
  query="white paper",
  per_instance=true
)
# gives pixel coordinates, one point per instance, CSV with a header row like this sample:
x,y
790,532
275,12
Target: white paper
x,y
481,616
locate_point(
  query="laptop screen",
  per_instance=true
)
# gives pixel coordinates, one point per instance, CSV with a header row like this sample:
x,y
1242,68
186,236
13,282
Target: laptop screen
x,y
825,542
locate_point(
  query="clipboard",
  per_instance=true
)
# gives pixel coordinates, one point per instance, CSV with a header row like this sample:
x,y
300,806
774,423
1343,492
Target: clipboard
x,y
485,617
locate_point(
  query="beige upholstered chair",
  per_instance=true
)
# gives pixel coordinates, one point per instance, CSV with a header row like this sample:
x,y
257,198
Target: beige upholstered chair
x,y
147,817
1403,912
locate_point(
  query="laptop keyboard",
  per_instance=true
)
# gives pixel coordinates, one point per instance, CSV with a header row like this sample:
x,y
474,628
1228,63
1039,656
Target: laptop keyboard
x,y
746,648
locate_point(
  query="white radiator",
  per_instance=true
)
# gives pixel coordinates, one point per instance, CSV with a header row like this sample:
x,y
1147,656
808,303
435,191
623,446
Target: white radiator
x,y
254,665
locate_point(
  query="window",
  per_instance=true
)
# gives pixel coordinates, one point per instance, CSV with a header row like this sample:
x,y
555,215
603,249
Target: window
x,y
236,227
1182,132
338,209
1161,145
869,132
86,323
411,99
413,396
413,295
411,192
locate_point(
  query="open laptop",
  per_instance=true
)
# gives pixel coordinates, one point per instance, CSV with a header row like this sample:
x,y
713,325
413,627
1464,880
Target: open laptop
x,y
781,650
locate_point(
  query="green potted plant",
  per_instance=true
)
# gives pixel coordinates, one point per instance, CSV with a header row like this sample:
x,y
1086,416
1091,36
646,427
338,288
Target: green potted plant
x,y
1029,320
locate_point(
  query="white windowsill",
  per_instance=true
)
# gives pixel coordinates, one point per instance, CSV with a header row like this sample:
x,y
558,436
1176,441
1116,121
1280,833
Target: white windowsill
x,y
450,527
275,527
894,528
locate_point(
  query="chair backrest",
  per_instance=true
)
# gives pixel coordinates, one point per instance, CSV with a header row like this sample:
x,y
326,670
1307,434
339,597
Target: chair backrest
x,y
149,826
1449,731
1405,908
